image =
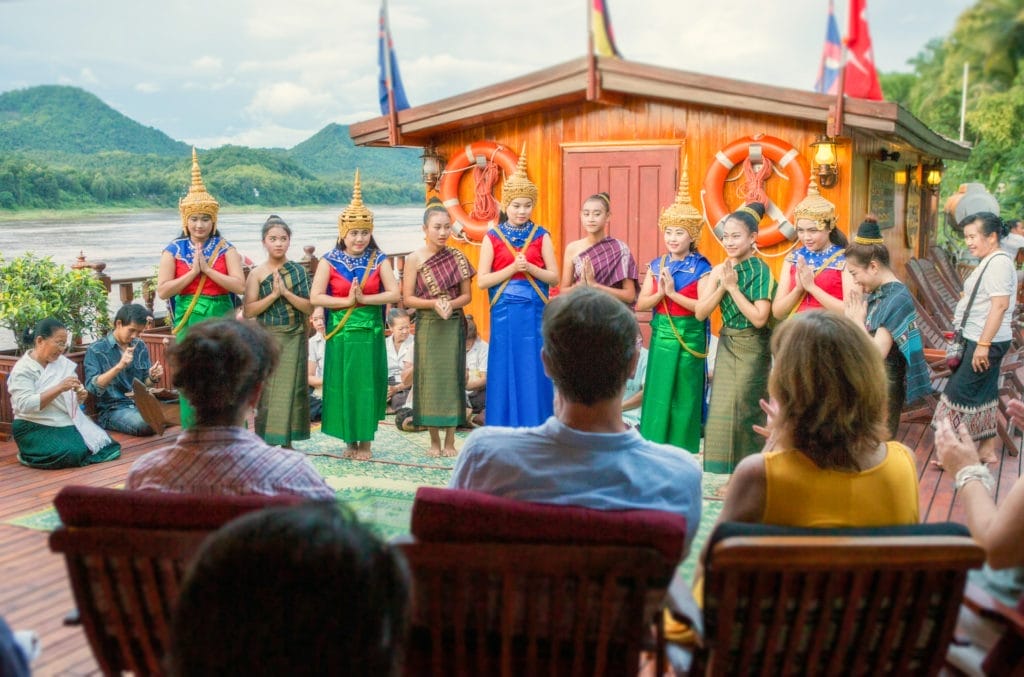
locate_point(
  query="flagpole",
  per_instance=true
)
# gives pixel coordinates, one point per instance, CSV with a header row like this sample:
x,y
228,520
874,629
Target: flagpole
x,y
963,102
394,137
591,58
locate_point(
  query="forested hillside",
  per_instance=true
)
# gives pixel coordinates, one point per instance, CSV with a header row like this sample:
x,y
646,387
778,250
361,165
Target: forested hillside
x,y
63,148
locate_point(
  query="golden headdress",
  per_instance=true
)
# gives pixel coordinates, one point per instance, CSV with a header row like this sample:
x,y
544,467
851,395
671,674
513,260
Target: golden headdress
x,y
519,184
198,200
682,213
816,208
356,215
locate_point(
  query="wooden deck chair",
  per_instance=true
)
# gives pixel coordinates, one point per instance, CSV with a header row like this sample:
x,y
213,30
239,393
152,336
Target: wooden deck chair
x,y
931,288
880,601
947,269
126,553
503,587
1006,657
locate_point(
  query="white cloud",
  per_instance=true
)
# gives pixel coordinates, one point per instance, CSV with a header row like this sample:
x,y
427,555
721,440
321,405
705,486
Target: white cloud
x,y
284,98
86,76
147,88
207,64
265,136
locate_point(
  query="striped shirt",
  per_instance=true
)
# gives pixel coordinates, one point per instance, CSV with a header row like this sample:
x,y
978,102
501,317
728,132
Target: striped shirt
x,y
226,460
756,283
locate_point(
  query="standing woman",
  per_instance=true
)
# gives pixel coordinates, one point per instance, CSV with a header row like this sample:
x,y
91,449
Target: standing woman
x,y
742,287
352,282
972,391
814,276
438,289
277,295
517,263
200,270
889,317
673,401
599,260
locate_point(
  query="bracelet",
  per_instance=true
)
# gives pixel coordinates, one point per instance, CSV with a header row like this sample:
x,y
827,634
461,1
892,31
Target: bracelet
x,y
984,344
970,473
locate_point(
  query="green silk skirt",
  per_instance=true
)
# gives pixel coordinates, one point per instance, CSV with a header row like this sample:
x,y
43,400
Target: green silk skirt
x,y
674,386
207,308
439,374
283,413
355,375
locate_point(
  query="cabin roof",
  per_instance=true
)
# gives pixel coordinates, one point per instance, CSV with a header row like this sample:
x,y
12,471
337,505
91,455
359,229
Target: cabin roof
x,y
565,85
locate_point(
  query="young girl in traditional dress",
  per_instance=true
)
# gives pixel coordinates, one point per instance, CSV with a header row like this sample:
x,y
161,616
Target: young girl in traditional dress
x,y
277,295
814,276
437,286
742,287
676,361
517,264
599,260
352,282
198,271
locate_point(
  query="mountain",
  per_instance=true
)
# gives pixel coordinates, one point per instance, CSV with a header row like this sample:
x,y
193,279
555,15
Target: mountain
x,y
331,153
71,120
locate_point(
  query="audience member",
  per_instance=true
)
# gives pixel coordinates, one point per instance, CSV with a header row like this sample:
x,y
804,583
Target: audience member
x,y
14,659
633,396
49,427
400,346
303,590
476,374
114,363
584,454
315,373
221,366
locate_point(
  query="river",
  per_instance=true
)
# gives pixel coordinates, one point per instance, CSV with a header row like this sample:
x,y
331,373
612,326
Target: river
x,y
130,242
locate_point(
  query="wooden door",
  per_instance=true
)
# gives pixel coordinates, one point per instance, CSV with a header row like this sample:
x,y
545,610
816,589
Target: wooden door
x,y
641,181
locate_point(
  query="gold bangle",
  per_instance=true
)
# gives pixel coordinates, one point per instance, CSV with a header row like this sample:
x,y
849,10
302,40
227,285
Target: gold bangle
x,y
985,344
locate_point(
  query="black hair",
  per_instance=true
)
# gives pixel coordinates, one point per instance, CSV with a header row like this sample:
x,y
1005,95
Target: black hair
x,y
433,209
749,215
602,197
988,223
864,254
836,236
592,323
274,221
132,313
218,365
43,329
302,590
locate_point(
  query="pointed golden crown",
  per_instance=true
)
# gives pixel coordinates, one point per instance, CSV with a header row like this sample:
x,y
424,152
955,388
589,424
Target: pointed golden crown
x,y
519,184
356,215
198,200
682,213
816,208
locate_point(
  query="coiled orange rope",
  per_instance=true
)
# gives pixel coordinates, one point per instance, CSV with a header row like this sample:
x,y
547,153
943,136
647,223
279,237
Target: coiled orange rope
x,y
754,180
485,207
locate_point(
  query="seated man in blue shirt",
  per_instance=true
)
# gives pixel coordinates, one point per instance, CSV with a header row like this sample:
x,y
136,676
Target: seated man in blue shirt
x,y
585,454
113,363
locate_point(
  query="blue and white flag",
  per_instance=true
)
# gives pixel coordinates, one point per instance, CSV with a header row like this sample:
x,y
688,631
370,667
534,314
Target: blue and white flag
x,y
390,81
831,56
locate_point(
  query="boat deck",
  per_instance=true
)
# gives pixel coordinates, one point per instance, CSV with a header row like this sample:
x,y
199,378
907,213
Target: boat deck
x,y
34,590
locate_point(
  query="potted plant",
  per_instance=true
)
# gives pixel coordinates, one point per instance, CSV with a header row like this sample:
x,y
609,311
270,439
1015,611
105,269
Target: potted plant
x,y
34,287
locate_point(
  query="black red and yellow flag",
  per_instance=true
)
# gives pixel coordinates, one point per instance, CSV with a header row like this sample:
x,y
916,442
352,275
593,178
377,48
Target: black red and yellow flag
x,y
601,29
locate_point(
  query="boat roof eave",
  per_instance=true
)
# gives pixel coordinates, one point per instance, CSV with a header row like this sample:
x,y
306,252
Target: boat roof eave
x,y
566,84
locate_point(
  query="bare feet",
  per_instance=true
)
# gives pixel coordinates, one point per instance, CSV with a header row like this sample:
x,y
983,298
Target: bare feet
x,y
363,455
351,450
434,452
449,452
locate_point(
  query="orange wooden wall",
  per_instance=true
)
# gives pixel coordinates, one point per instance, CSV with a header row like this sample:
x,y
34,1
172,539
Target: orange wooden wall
x,y
703,132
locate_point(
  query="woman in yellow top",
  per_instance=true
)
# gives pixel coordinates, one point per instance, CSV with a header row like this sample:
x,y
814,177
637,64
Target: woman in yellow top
x,y
826,462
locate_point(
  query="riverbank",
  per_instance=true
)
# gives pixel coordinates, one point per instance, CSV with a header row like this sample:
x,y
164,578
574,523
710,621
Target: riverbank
x,y
10,216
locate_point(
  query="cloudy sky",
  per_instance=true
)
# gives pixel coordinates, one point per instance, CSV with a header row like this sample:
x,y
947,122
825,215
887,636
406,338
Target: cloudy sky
x,y
271,73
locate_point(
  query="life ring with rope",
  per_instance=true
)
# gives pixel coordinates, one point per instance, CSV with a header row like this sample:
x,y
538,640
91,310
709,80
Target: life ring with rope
x,y
484,157
752,151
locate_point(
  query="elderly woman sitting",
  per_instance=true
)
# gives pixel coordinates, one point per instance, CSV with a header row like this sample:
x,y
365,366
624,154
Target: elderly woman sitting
x,y
50,429
221,366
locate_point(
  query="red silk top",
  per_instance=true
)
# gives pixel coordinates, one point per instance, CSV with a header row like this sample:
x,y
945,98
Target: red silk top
x,y
830,280
674,309
211,288
503,256
338,285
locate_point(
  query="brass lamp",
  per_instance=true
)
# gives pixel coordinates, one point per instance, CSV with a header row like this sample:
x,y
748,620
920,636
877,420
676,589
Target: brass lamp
x,y
825,161
433,163
934,177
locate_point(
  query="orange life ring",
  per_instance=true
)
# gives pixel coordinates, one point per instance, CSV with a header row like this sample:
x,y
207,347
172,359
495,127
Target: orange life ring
x,y
474,153
785,156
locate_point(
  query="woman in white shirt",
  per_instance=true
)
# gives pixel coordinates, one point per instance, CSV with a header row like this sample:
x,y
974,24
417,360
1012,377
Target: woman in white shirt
x,y
972,391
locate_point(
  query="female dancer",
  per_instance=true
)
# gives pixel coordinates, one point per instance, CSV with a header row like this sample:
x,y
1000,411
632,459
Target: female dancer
x,y
889,316
599,260
277,295
673,401
742,287
517,263
814,276
200,270
438,288
352,282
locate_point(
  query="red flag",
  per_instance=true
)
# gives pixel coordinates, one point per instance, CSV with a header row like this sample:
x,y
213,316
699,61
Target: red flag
x,y
861,76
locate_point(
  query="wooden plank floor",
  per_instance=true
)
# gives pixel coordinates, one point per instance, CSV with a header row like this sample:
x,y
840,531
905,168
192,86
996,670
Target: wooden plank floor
x,y
34,591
